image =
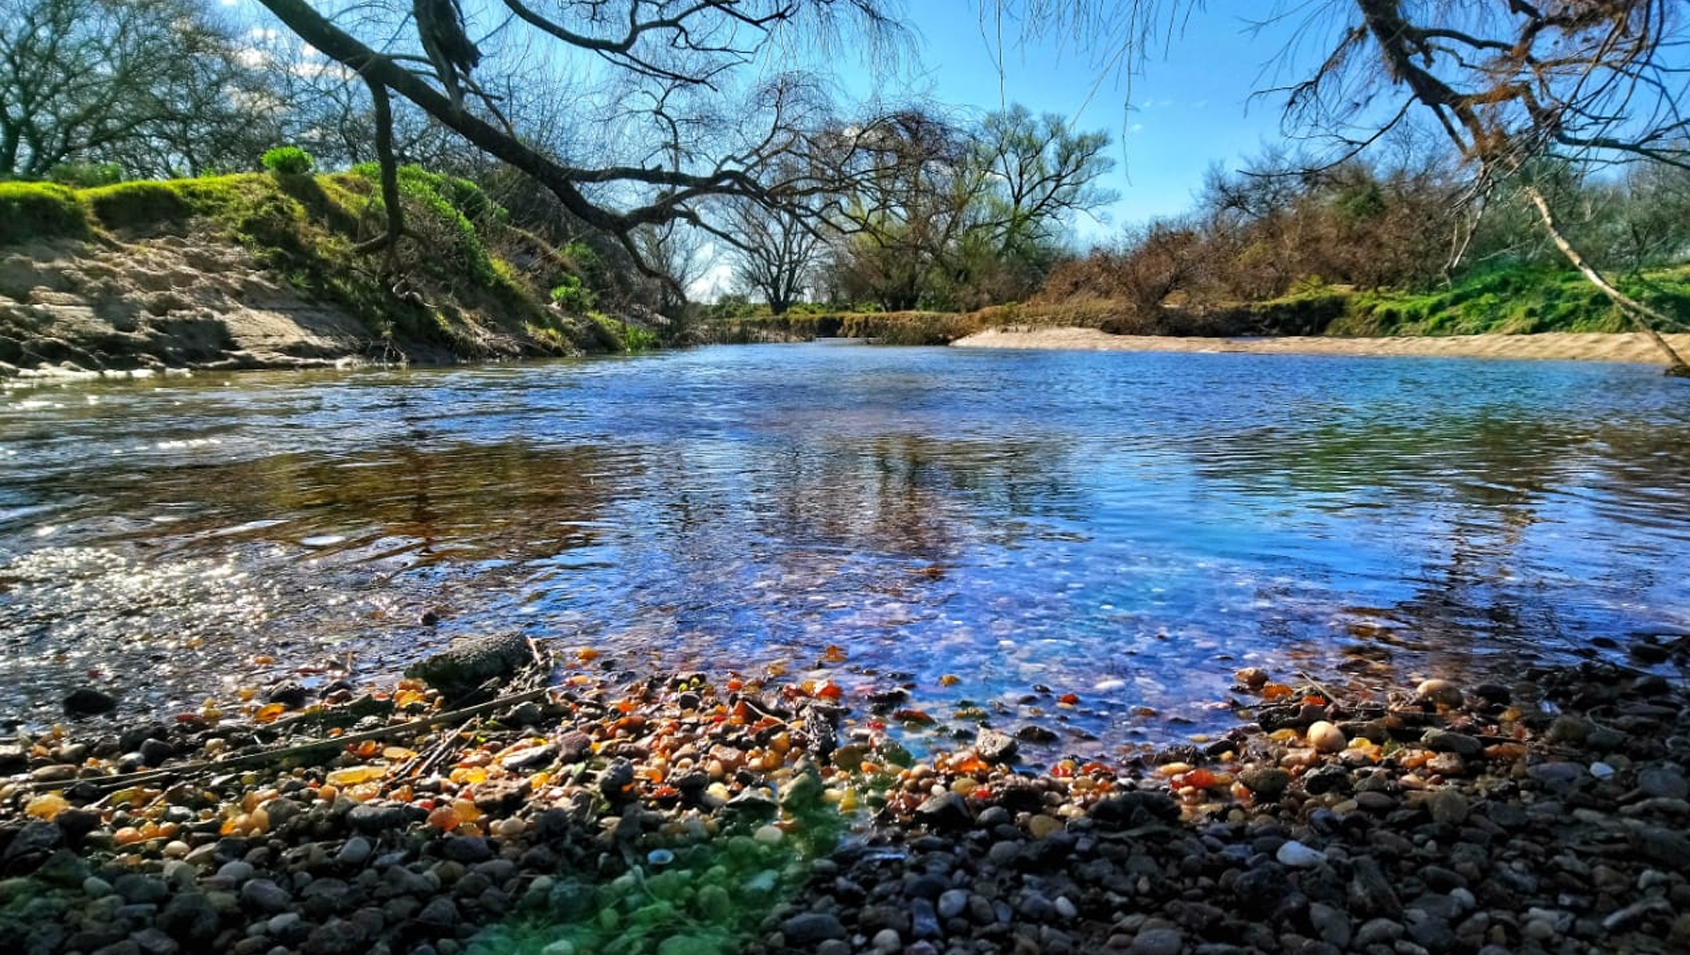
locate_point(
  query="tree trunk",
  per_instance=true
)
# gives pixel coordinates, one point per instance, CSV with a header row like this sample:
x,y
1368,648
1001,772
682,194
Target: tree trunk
x,y
1639,313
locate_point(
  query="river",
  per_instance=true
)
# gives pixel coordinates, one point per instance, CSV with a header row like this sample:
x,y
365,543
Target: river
x,y
994,530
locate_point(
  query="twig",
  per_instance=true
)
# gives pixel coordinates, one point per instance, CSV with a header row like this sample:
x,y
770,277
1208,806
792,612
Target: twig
x,y
174,773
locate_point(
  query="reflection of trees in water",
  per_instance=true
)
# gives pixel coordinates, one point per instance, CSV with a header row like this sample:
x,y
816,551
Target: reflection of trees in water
x,y
1464,493
463,502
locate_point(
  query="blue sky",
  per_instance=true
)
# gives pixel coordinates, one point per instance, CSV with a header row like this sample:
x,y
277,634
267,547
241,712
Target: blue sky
x,y
1187,105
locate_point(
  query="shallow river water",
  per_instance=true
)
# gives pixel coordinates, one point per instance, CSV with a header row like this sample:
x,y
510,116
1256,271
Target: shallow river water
x,y
1128,528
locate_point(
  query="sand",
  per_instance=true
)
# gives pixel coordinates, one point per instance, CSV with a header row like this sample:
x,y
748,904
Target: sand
x,y
1555,346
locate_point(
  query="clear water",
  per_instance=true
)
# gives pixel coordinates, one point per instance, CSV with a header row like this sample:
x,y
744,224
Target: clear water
x,y
1129,528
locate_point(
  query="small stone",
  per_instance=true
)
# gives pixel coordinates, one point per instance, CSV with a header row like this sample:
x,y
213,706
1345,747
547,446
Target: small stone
x,y
1331,924
994,746
1158,941
952,902
1439,692
886,941
265,896
924,921
1448,806
1298,856
87,701
1041,826
1440,740
236,872
356,852
1325,737
768,835
945,811
1268,782
1066,908
1663,781
810,928
1251,678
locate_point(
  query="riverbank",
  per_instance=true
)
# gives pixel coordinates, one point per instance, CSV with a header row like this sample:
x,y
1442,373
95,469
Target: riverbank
x,y
1552,346
274,271
677,814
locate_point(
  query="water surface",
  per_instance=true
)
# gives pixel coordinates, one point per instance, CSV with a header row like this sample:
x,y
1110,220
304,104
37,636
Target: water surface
x,y
1129,528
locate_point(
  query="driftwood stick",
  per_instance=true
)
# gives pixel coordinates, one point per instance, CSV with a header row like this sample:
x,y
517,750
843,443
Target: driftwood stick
x,y
175,773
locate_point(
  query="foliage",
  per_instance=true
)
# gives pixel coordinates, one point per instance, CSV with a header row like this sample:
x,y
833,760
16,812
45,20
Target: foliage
x,y
83,175
288,161
445,211
572,295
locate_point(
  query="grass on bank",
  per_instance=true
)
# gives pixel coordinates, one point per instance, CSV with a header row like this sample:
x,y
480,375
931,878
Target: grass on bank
x,y
450,288
1511,300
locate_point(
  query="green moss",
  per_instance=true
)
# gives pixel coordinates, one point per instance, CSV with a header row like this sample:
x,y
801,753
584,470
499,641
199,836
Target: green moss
x,y
31,211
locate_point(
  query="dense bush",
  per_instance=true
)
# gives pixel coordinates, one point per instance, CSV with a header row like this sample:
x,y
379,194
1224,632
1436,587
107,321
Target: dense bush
x,y
288,161
35,210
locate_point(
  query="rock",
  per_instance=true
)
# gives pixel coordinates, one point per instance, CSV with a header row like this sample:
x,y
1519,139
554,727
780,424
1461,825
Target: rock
x,y
1267,782
264,895
467,850
952,903
1370,892
1448,806
924,921
356,852
616,781
467,665
1298,856
374,819
236,872
887,941
87,701
190,917
1034,733
811,928
1378,932
1251,678
531,759
1663,781
1439,692
35,841
1331,924
1158,941
440,912
139,889
1325,737
574,746
1135,809
994,746
337,936
289,693
1440,740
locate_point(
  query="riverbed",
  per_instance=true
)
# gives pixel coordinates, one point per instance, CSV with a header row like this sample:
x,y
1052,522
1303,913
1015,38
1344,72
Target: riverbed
x,y
1086,542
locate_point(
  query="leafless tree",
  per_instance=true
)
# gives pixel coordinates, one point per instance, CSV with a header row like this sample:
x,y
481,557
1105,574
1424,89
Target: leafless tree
x,y
1515,85
668,82
149,83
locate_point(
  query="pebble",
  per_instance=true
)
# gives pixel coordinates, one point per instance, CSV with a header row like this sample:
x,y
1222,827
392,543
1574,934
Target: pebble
x,y
1158,941
1325,737
356,852
768,835
952,903
1298,856
1448,806
1440,692
887,941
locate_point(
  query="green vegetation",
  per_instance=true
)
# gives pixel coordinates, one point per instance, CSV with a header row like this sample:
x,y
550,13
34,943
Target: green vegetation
x,y
288,161
1517,300
34,210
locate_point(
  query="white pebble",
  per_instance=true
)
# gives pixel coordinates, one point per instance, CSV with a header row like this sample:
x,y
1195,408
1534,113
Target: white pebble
x,y
1298,856
1325,737
768,835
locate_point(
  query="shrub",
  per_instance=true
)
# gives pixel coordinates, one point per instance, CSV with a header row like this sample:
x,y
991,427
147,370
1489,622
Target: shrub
x,y
573,295
288,161
83,175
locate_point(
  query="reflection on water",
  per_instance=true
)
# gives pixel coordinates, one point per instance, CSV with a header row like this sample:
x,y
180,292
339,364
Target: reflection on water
x,y
1129,528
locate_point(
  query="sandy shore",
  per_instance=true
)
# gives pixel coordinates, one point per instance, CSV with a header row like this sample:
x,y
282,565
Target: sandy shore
x,y
1559,346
